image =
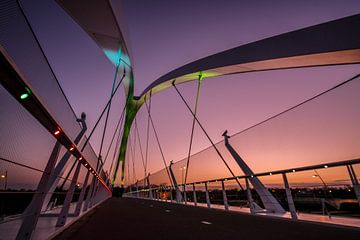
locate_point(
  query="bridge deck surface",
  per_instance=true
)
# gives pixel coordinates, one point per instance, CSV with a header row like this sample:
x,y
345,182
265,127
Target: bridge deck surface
x,y
145,219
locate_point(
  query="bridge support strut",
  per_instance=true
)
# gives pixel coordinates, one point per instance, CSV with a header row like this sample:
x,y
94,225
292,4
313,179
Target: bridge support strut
x,y
269,201
177,190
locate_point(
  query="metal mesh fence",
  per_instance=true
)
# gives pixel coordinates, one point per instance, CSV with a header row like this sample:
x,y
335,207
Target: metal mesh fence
x,y
322,130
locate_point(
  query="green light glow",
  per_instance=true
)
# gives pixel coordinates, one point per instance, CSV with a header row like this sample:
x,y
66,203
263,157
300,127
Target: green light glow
x,y
132,107
201,76
113,56
196,75
24,95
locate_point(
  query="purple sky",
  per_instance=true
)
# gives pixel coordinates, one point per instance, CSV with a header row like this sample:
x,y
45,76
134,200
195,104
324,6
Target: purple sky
x,y
163,35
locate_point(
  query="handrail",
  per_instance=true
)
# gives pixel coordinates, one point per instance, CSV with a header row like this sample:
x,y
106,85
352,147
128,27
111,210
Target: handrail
x,y
269,173
16,85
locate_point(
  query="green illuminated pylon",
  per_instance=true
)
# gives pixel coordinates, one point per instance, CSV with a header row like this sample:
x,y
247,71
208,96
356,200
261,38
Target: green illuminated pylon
x,y
132,107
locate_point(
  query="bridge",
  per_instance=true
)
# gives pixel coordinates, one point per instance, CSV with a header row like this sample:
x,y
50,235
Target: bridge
x,y
110,171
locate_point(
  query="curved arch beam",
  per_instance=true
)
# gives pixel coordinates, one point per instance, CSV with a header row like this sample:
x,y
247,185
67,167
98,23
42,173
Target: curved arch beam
x,y
331,43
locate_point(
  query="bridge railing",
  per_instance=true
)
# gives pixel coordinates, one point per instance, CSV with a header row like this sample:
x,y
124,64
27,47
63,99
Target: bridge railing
x,y
311,141
310,192
41,139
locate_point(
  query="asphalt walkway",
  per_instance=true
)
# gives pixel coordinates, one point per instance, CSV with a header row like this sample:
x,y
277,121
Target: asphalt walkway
x,y
145,219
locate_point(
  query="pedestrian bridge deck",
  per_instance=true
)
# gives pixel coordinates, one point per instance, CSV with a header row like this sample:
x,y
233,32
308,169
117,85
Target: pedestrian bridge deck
x,y
129,218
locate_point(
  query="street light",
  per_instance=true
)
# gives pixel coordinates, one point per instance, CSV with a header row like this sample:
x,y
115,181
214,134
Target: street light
x,y
5,177
322,180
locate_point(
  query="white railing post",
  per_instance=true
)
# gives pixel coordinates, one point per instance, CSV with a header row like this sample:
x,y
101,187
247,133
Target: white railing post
x,y
289,198
354,181
226,204
33,211
207,196
69,195
82,195
249,197
184,190
194,194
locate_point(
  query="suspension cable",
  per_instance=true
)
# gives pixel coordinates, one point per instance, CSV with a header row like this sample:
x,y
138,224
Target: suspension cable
x,y
116,130
147,134
105,108
159,145
192,128
117,144
141,151
134,146
108,109
128,171
207,135
300,104
29,167
96,124
133,161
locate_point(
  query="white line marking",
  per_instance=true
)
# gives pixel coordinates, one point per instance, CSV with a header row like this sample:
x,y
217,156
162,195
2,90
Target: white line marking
x,y
205,222
167,210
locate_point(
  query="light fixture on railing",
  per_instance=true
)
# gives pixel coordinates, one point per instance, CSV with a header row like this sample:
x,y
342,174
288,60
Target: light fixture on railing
x,y
26,94
57,132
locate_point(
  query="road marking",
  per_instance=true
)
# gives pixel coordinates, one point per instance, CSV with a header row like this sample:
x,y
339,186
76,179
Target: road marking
x,y
167,210
151,205
205,222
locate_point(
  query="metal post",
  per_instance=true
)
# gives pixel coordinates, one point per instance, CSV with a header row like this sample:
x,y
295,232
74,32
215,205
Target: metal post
x,y
249,197
82,195
137,189
355,181
177,190
207,196
194,192
93,193
33,211
61,165
289,198
226,204
69,196
185,200
6,180
269,201
89,193
149,186
97,183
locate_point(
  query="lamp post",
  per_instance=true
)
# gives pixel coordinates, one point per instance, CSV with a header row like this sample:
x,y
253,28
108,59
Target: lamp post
x,y
5,178
323,203
322,180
